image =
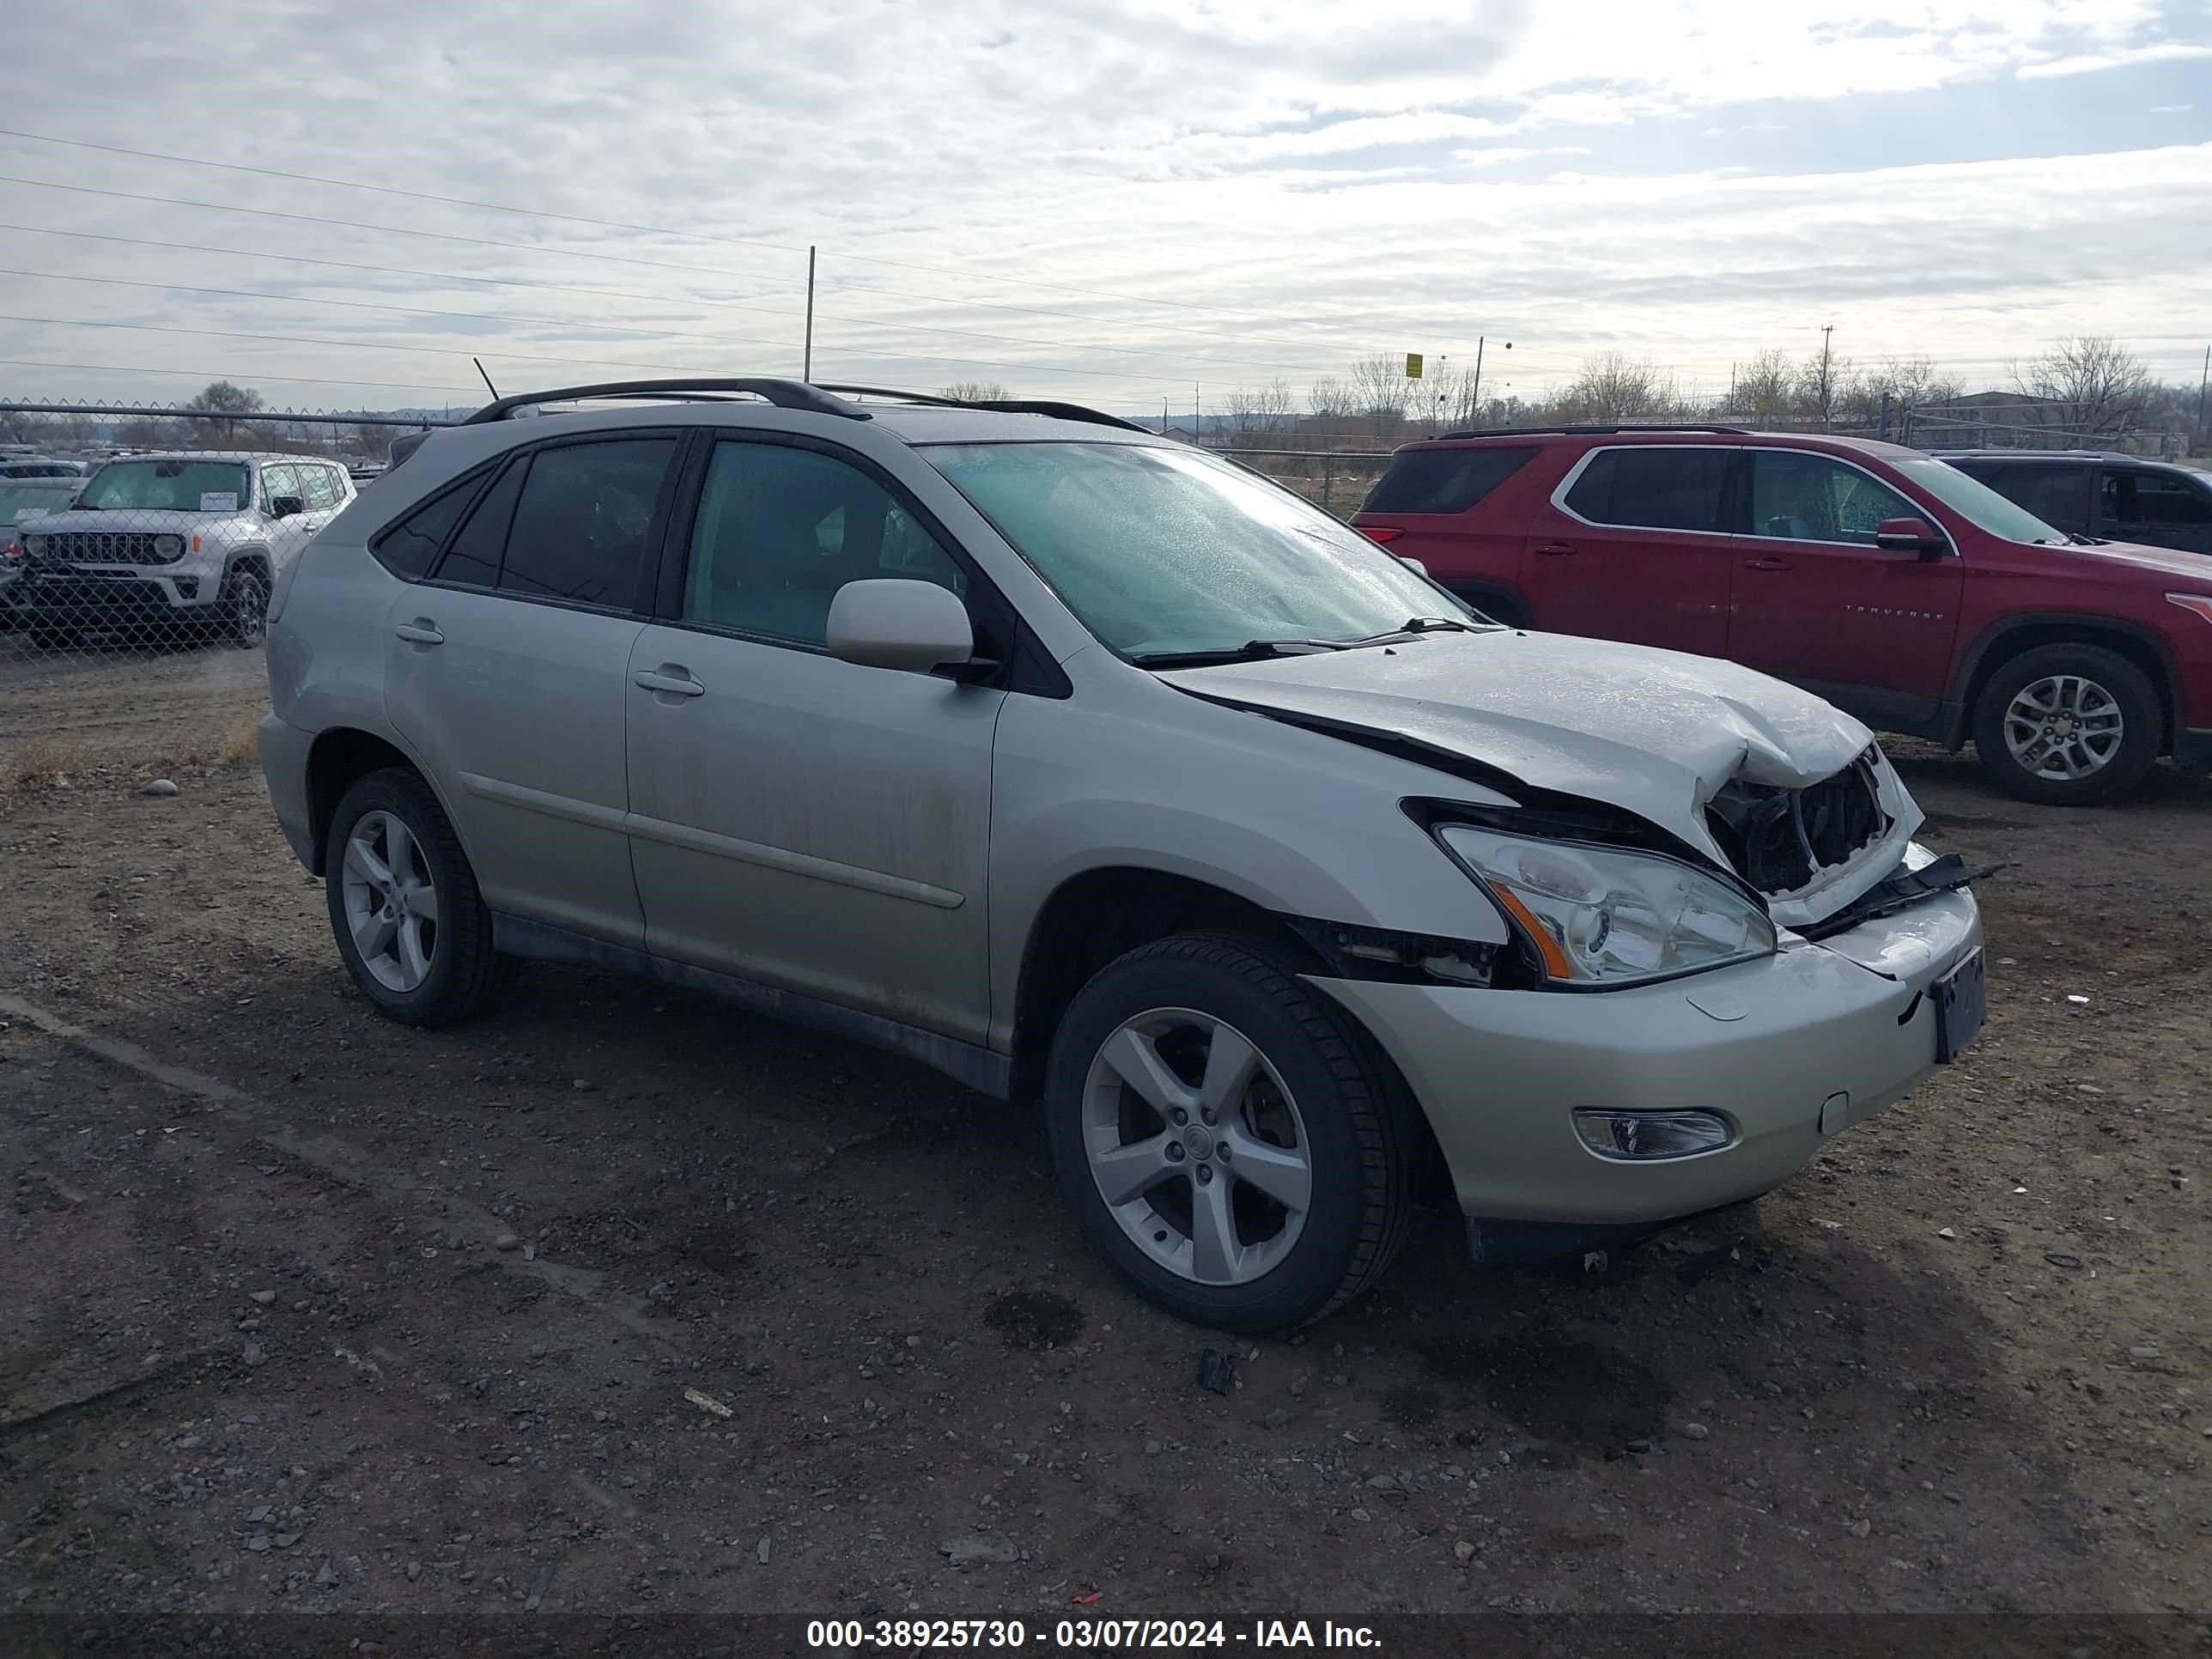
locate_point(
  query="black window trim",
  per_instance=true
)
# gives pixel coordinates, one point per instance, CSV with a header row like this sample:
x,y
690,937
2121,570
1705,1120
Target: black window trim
x,y
1559,491
639,606
1026,666
1743,503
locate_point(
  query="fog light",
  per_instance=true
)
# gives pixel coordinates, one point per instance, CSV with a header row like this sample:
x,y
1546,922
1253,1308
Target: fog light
x,y
1643,1137
187,586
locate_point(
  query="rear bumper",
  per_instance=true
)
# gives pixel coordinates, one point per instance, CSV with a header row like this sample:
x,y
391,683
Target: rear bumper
x,y
284,765
1788,1050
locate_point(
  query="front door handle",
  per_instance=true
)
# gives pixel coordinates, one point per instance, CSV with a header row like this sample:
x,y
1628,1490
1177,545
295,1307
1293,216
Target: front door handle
x,y
669,680
1766,564
421,631
1555,550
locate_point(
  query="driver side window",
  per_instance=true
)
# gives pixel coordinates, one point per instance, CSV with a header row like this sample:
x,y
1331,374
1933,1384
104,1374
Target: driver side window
x,y
1802,497
781,529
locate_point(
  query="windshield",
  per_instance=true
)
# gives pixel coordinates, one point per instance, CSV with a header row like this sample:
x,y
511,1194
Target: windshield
x,y
16,499
1971,496
175,486
1163,551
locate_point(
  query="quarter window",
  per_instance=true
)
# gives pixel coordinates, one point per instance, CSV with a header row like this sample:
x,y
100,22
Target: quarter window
x,y
1801,497
1444,480
580,526
407,549
473,559
1653,487
781,529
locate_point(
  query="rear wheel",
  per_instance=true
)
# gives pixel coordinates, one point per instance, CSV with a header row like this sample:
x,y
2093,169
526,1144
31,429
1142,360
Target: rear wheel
x,y
410,922
2068,725
1230,1142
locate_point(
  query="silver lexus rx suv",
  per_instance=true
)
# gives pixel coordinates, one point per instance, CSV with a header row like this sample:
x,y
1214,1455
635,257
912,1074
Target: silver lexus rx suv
x,y
1093,770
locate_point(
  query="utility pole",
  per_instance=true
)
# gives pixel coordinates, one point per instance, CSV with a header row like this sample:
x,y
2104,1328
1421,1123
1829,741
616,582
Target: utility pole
x,y
1197,432
1474,394
2203,380
1828,392
806,372
1164,414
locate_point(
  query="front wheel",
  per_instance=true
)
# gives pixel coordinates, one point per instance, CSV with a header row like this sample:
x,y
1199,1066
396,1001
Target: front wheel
x,y
414,931
2068,725
1230,1140
245,607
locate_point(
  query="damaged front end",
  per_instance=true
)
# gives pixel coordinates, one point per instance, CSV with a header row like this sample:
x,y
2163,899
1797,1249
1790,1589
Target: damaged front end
x,y
1813,849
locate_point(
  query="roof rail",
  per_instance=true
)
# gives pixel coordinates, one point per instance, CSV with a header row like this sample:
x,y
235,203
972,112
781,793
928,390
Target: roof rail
x,y
784,394
1599,431
1058,411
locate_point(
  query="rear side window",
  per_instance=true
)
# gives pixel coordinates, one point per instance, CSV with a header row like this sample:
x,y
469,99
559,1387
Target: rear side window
x,y
1653,487
473,559
2058,496
1444,480
579,528
321,488
408,549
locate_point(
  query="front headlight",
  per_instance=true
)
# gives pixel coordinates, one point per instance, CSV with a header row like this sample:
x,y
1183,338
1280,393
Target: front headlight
x,y
169,547
1602,916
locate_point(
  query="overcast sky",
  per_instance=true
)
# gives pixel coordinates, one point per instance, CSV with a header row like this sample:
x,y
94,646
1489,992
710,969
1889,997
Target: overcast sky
x,y
1106,202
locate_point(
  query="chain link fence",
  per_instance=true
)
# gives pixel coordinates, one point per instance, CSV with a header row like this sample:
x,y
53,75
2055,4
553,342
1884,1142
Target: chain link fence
x,y
138,550
132,532
1335,480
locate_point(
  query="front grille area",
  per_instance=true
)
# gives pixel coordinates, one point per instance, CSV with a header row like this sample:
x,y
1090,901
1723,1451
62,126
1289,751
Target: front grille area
x,y
1780,840
104,547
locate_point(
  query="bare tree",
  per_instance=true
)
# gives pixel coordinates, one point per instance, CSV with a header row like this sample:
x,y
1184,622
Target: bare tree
x,y
2107,385
975,392
222,398
1766,386
1614,387
1329,401
1821,380
1379,390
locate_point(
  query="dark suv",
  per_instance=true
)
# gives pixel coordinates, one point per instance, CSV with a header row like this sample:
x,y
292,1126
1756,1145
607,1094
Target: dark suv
x,y
2125,497
1890,582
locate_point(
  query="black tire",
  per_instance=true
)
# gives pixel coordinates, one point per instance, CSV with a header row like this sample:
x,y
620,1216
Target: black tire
x,y
1498,607
1360,1139
2143,720
466,974
245,607
44,637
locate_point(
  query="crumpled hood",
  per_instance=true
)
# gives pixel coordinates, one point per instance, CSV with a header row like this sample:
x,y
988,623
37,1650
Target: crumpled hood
x,y
1653,733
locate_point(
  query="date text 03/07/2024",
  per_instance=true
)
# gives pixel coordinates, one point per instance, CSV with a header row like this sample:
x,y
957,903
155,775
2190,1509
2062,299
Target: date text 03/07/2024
x,y
1084,1633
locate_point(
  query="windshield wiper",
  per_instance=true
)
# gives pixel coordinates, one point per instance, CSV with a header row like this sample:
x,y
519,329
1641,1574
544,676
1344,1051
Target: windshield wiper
x,y
1250,651
1411,627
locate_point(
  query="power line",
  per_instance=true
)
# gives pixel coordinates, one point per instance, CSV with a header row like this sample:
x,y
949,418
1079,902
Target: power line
x,y
610,224
614,294
863,351
220,373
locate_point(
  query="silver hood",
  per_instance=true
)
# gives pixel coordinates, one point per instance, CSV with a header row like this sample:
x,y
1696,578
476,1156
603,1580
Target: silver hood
x,y
1654,732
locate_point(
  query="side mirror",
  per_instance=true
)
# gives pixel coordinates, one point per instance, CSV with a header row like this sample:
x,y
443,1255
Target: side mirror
x,y
1910,535
285,506
1413,565
915,627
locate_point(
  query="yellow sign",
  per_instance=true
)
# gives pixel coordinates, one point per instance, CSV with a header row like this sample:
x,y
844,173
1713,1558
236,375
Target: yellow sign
x,y
1413,365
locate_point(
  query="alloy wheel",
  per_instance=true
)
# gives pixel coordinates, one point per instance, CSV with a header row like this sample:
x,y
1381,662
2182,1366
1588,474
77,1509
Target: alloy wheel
x,y
1197,1146
391,902
2063,727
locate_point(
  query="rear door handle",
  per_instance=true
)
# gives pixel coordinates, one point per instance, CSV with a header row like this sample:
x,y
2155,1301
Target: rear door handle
x,y
1555,550
669,680
421,631
1766,564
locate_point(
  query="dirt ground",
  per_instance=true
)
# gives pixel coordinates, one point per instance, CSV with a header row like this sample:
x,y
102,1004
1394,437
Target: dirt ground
x,y
621,1300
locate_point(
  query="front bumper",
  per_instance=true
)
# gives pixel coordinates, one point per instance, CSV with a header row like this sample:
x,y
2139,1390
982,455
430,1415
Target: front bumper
x,y
1789,1050
111,598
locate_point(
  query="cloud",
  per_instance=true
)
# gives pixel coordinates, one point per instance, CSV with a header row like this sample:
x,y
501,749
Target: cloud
x,y
2165,51
1110,201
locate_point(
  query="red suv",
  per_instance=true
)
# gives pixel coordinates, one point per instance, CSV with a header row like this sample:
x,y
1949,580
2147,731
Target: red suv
x,y
1887,581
